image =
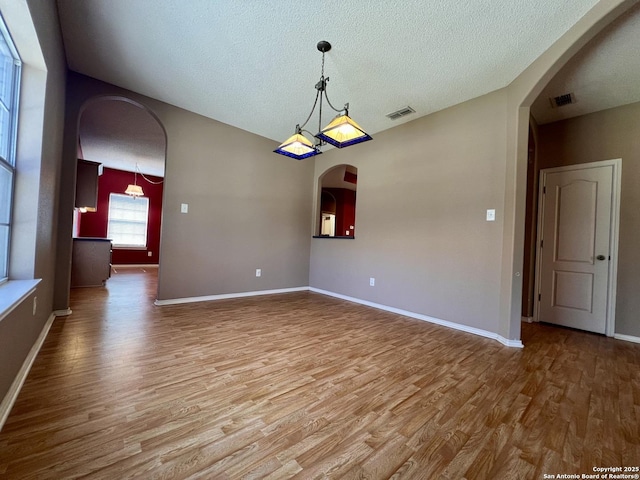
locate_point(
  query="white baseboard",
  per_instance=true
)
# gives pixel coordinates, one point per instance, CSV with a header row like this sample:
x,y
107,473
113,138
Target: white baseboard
x,y
208,298
626,338
418,316
10,398
63,313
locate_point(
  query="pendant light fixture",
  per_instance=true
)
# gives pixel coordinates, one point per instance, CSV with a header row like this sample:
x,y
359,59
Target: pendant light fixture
x,y
341,132
134,190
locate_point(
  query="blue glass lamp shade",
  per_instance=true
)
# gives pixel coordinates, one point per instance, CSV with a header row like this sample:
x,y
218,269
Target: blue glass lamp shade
x,y
297,146
343,132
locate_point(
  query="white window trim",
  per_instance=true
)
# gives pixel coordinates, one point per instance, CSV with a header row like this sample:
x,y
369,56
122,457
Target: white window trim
x,y
13,294
124,246
10,161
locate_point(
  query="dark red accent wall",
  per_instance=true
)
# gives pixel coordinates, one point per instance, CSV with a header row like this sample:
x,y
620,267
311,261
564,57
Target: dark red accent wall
x,y
94,224
345,210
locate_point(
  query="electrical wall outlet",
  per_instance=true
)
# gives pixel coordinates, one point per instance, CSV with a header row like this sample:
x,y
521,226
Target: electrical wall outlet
x,y
184,208
149,254
258,272
372,282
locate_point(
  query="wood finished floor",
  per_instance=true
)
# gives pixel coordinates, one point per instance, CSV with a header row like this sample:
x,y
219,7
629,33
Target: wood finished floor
x,y
306,386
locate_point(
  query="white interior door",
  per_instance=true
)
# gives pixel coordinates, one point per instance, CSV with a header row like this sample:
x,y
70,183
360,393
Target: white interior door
x,y
575,246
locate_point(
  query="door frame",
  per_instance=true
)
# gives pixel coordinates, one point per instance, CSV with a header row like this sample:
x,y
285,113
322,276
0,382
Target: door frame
x,y
613,239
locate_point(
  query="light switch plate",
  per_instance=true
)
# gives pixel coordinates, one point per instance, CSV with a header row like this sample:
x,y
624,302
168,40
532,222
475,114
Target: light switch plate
x,y
491,215
184,208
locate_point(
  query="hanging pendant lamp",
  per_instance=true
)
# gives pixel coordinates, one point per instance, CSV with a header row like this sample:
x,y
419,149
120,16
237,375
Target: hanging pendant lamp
x,y
134,190
297,146
341,132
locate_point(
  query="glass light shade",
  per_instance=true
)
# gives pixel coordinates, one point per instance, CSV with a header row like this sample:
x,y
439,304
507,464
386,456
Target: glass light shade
x,y
134,191
297,146
342,132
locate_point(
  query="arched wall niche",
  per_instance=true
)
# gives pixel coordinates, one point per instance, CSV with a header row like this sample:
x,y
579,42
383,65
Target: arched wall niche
x,y
336,213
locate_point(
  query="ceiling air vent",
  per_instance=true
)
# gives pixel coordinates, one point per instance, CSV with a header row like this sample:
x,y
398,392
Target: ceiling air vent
x,y
400,113
562,100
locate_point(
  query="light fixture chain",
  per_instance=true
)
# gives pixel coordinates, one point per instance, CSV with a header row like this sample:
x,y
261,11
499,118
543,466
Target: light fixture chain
x,y
135,177
324,89
150,181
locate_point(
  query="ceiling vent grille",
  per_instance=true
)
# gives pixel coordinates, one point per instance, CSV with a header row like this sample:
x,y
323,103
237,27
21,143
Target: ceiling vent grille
x,y
400,113
562,100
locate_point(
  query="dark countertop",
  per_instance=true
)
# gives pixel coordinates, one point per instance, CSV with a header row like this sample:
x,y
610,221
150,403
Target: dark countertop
x,y
92,239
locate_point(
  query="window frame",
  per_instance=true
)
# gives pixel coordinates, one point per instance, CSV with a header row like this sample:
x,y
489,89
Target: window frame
x,y
146,223
9,163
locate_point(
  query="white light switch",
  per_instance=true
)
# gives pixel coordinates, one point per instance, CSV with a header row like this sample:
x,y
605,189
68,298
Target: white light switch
x,y
372,282
258,272
184,208
491,215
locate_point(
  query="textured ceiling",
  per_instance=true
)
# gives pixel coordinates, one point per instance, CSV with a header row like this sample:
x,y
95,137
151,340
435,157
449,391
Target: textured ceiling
x,y
254,64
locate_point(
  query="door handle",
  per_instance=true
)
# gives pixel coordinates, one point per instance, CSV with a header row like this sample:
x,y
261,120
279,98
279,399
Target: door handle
x,y
600,257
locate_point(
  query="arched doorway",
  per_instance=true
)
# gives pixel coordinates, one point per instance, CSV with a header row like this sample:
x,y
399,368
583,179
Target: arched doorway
x,y
523,93
337,207
126,144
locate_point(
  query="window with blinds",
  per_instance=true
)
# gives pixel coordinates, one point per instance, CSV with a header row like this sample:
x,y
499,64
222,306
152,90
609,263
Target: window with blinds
x,y
128,220
9,93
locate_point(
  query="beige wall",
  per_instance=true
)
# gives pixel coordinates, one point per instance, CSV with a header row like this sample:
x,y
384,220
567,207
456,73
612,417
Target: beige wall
x,y
606,135
423,191
248,207
38,171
